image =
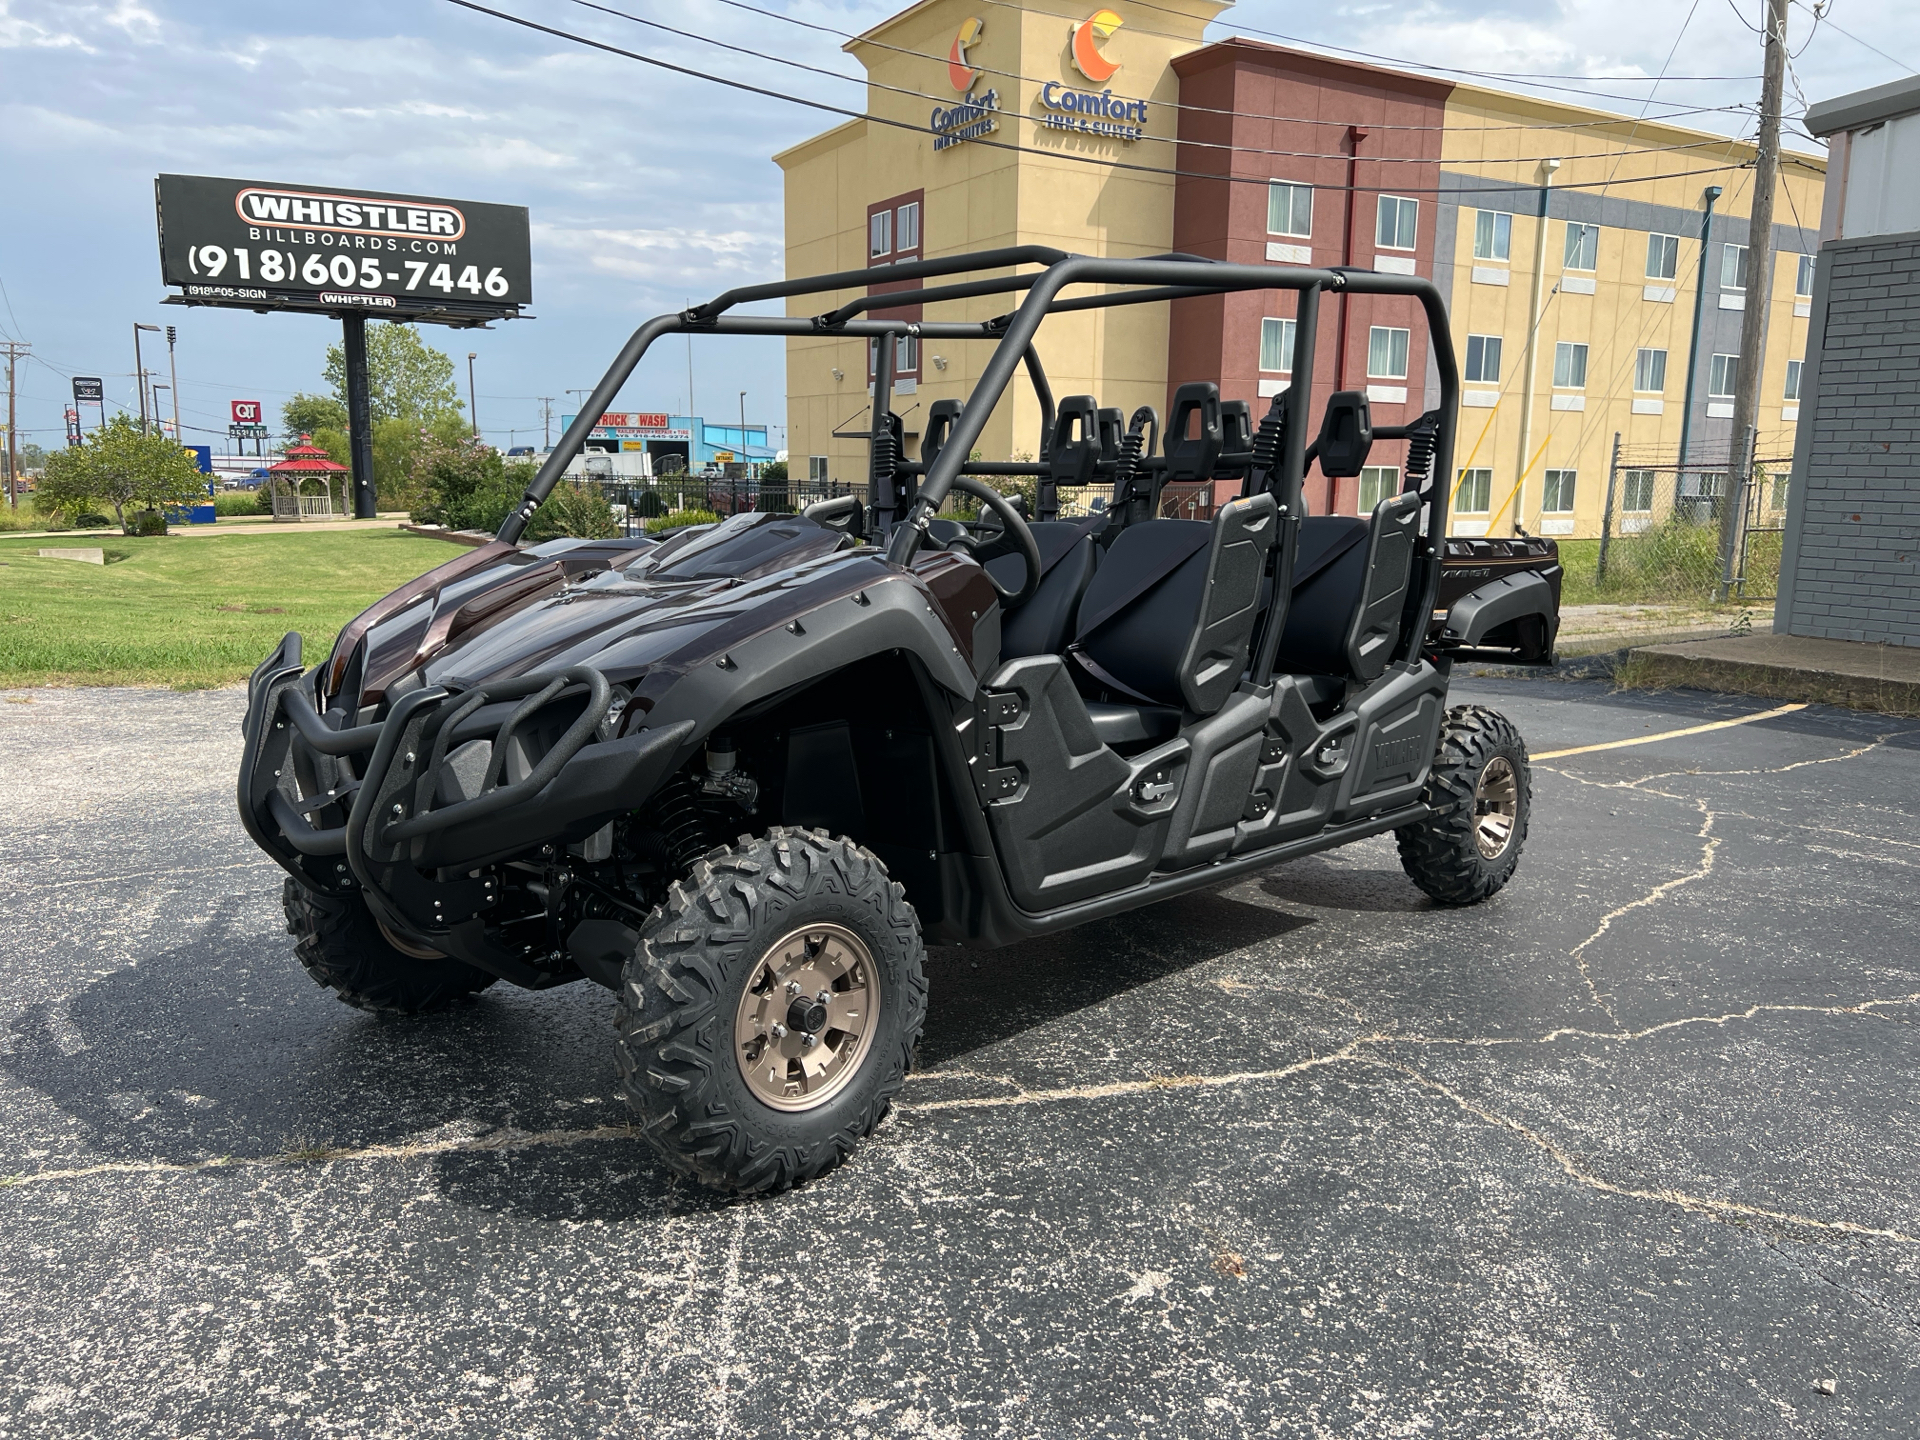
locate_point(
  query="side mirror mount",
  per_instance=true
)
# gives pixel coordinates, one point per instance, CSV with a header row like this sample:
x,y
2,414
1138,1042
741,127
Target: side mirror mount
x,y
1346,434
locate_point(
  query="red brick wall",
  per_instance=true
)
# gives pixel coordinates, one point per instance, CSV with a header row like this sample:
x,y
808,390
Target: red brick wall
x,y
1268,99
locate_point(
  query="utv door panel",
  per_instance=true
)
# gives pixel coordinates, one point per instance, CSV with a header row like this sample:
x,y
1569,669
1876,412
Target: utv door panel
x,y
1221,769
1398,728
1068,828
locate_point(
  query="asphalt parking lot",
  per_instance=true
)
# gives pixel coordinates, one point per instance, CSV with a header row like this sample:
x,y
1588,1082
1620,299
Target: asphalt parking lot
x,y
1629,1151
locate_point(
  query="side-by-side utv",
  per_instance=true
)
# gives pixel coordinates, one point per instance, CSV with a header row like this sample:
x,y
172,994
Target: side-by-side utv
x,y
742,775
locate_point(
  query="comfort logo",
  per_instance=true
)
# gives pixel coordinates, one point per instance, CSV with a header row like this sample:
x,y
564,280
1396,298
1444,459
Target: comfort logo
x,y
1087,38
960,74
350,213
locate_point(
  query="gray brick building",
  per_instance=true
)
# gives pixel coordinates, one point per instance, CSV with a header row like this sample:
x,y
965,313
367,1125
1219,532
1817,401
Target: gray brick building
x,y
1850,569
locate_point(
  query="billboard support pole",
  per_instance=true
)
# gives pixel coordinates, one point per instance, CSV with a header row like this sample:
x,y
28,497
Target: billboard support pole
x,y
359,417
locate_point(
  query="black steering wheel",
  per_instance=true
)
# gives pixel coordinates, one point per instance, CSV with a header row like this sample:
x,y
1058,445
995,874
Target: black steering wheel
x,y
1012,538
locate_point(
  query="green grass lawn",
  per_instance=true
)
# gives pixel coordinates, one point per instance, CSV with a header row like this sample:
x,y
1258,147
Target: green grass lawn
x,y
190,613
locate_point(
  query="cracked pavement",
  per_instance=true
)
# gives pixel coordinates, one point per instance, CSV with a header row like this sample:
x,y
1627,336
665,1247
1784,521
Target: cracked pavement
x,y
1628,1151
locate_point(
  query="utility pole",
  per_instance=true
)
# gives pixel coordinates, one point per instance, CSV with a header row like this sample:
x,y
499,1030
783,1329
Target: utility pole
x,y
473,402
546,418
1711,194
1753,319
140,370
1536,301
15,349
173,374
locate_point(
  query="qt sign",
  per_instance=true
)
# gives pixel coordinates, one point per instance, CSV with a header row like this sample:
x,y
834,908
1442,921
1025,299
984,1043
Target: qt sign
x,y
246,412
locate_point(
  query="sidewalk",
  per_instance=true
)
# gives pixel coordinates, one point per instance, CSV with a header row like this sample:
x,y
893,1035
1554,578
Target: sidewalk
x,y
230,525
1883,678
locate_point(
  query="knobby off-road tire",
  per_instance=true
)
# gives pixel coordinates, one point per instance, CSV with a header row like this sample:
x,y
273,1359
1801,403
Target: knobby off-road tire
x,y
1483,790
701,972
342,947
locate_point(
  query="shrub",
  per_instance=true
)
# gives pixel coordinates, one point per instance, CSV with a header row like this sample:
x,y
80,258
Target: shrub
x,y
146,522
679,520
91,522
575,509
239,502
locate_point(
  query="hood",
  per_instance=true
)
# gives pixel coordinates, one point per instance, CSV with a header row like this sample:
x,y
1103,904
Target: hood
x,y
618,605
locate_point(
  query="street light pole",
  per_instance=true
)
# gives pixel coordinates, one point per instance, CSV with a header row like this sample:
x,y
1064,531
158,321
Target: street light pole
x,y
173,374
158,423
473,403
1711,194
140,370
743,427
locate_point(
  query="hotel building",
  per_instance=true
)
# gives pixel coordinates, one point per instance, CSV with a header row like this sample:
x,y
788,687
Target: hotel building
x,y
1567,240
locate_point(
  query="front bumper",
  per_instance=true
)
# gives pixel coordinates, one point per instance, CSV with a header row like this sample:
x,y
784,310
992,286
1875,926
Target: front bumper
x,y
377,808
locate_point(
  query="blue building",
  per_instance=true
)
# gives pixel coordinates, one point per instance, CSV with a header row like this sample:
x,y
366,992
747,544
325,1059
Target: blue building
x,y
658,436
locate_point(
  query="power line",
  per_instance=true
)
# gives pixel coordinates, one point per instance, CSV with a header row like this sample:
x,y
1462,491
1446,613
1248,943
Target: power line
x,y
1177,104
1040,122
1909,69
1539,81
1495,187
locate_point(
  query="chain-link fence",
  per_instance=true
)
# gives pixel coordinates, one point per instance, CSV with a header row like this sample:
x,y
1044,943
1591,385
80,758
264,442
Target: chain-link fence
x,y
1661,531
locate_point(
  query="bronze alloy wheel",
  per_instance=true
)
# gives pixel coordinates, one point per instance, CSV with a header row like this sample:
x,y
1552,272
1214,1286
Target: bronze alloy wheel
x,y
1496,801
805,1021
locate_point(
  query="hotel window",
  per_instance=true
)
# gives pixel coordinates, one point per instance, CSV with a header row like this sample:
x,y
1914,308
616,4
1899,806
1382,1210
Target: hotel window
x,y
1377,483
1583,246
1492,235
1793,380
1722,376
1570,366
1475,492
1733,267
1636,491
1387,353
1663,257
1398,222
1289,209
906,357
1803,280
1276,345
1558,499
817,469
1483,357
893,229
1650,371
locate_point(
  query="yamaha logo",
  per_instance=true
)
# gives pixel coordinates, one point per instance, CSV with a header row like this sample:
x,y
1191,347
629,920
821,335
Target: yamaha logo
x,y
350,214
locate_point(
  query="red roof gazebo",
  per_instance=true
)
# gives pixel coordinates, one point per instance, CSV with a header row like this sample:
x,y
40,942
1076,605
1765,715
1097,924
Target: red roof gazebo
x,y
305,461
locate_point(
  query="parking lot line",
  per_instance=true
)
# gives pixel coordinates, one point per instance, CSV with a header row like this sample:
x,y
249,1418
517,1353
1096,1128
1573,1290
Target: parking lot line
x,y
1669,734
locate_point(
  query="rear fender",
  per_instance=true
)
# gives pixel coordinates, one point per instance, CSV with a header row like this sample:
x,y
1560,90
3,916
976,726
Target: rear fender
x,y
1477,615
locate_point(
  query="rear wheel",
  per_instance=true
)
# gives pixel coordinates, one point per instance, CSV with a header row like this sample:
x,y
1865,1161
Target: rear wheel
x,y
770,1012
1482,789
346,949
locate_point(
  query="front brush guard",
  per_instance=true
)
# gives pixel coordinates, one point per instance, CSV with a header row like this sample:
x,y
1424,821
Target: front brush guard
x,y
392,829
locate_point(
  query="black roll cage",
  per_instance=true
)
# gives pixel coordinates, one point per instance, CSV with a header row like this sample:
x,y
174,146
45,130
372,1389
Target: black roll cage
x,y
1157,278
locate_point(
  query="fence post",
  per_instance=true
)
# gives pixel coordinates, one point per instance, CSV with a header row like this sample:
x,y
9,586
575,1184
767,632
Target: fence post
x,y
1606,515
1734,524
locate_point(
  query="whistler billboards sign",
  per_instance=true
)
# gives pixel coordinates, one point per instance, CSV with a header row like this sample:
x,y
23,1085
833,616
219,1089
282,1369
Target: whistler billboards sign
x,y
260,246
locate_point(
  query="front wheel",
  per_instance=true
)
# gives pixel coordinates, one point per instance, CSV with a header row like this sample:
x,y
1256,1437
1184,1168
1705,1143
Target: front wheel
x,y
769,1013
343,947
1482,790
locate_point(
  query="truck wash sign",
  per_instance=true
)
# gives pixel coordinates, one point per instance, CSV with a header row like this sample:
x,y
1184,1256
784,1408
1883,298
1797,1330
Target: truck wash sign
x,y
261,246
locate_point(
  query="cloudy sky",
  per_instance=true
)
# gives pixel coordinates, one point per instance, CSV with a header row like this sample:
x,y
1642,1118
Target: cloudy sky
x,y
645,188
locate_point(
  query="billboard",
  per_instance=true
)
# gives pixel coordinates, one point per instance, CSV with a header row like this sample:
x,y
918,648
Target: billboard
x,y
246,412
88,390
252,245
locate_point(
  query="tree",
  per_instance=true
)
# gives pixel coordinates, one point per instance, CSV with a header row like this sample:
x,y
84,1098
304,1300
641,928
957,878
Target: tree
x,y
407,379
122,467
310,414
463,482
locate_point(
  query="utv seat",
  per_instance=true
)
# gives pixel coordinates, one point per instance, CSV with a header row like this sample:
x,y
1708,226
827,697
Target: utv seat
x,y
1350,580
1163,630
1068,560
